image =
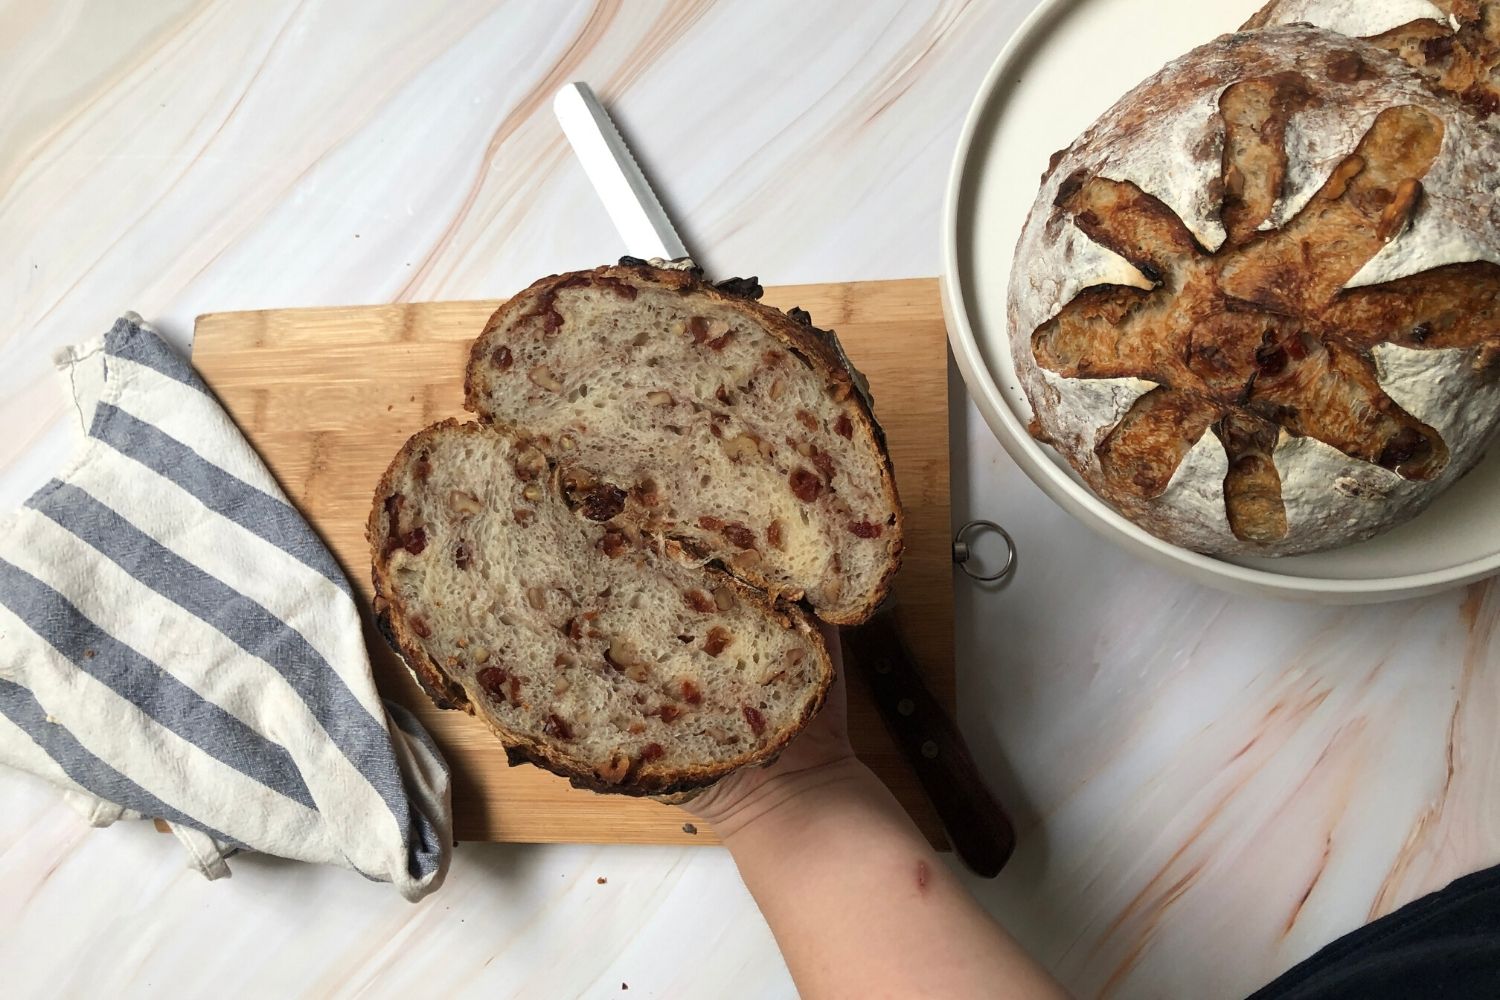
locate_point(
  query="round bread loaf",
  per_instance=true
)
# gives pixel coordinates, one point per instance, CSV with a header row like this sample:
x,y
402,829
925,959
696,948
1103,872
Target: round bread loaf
x,y
1255,305
1455,44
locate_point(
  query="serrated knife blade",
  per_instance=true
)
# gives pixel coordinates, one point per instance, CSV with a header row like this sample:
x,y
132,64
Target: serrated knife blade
x,y
618,179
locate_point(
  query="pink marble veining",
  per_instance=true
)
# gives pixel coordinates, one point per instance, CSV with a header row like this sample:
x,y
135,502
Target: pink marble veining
x,y
1208,787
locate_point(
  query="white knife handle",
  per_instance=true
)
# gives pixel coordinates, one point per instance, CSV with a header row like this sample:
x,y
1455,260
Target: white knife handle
x,y
618,179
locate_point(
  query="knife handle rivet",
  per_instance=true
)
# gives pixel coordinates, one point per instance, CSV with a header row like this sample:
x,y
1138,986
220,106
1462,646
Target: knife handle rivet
x,y
930,750
906,706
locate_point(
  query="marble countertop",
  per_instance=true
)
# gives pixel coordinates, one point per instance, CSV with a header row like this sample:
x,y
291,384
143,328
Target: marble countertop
x,y
1207,787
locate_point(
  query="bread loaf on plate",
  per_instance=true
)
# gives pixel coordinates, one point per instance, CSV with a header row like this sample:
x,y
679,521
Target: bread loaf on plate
x,y
617,568
1255,304
1454,44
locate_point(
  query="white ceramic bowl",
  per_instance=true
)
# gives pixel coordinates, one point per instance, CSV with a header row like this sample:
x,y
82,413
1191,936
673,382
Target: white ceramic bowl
x,y
1068,63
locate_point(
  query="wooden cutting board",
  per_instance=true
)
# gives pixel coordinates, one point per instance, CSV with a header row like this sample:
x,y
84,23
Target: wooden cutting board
x,y
327,396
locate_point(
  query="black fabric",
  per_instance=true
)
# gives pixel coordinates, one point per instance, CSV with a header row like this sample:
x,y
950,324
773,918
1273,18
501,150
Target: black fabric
x,y
1446,946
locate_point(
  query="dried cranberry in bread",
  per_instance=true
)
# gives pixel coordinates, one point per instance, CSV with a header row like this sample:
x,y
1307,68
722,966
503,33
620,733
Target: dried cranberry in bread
x,y
514,592
1455,44
1255,304
722,423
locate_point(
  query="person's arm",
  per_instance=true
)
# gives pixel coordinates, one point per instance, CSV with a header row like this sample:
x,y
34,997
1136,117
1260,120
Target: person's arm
x,y
859,902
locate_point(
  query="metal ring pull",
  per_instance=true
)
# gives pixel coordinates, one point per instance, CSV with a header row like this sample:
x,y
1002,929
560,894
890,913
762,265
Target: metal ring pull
x,y
961,551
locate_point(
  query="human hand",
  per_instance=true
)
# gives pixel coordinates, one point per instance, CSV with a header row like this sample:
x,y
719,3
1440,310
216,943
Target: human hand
x,y
818,754
857,899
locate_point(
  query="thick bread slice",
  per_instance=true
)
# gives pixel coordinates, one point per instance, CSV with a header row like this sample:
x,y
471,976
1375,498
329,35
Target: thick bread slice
x,y
731,426
513,591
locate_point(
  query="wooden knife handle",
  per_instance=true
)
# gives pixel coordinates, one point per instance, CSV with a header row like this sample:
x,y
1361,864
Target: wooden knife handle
x,y
976,823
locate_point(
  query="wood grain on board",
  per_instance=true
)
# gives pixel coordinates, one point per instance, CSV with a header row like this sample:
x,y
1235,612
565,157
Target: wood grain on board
x,y
327,396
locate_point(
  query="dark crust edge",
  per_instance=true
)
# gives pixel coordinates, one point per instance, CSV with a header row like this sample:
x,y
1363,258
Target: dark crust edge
x,y
817,346
522,748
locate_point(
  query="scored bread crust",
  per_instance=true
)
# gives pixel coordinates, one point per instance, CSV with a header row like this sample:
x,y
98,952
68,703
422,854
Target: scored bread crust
x,y
650,778
1454,44
1412,330
819,349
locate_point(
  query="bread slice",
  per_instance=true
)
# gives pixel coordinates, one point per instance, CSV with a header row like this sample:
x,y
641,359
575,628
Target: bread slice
x,y
730,426
515,591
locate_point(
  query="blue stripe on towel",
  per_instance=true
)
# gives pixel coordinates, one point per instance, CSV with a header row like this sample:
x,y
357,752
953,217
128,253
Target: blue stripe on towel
x,y
252,509
127,340
359,735
92,774
142,682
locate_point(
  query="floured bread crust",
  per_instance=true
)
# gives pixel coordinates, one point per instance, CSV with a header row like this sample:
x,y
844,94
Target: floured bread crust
x,y
1255,305
1455,44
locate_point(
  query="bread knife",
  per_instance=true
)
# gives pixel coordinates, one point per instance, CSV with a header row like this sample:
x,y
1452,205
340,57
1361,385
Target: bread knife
x,y
611,168
927,737
929,740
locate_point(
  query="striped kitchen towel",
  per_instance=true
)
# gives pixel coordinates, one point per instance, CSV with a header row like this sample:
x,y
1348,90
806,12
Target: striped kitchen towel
x,y
177,643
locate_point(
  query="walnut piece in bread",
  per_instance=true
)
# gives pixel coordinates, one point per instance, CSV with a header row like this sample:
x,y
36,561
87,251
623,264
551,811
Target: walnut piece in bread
x,y
1455,44
1257,304
598,652
717,421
